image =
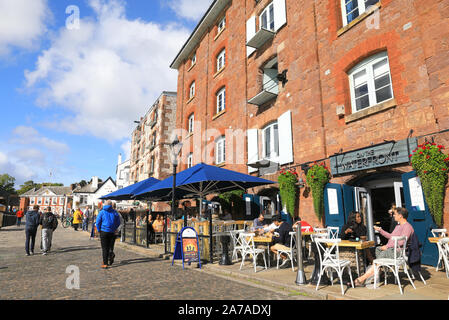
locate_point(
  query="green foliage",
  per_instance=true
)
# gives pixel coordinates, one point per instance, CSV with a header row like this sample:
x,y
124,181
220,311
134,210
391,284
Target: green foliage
x,y
288,189
7,184
232,201
432,165
28,185
317,177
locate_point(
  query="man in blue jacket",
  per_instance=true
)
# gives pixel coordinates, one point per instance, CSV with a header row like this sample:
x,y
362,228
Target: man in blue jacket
x,y
108,221
32,223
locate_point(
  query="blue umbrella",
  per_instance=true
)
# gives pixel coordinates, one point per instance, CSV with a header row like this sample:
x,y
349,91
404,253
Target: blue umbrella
x,y
200,181
128,192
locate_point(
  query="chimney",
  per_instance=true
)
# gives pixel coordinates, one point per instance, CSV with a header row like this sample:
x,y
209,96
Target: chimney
x,y
119,159
95,182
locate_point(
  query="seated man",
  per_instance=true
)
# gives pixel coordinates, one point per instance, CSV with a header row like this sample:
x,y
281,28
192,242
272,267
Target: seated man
x,y
282,242
387,251
258,222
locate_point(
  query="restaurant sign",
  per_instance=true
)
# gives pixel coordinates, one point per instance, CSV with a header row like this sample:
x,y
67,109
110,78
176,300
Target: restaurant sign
x,y
386,154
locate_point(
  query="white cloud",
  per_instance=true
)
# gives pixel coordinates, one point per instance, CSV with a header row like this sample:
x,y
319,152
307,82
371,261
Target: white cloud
x,y
126,148
22,22
190,9
107,73
34,157
29,136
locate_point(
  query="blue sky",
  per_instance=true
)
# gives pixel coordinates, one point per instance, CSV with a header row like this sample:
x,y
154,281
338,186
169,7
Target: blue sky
x,y
69,93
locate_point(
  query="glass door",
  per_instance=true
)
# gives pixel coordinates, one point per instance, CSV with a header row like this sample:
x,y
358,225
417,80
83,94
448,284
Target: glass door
x,y
363,205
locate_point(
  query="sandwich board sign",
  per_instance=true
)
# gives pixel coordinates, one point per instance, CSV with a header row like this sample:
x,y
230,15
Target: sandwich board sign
x,y
187,247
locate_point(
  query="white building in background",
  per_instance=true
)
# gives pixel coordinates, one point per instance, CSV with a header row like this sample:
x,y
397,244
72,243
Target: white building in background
x,y
122,173
90,194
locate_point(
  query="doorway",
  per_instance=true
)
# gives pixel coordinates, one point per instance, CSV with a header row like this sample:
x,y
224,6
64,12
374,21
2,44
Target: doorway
x,y
373,196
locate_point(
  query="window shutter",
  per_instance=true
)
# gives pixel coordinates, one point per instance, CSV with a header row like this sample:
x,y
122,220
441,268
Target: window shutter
x,y
250,32
285,138
253,148
280,14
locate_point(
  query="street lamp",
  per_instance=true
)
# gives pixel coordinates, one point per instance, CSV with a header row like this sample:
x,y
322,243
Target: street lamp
x,y
175,148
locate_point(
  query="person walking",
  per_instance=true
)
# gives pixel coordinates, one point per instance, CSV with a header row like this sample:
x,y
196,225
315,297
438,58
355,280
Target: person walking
x,y
31,225
19,215
77,219
107,223
86,219
49,224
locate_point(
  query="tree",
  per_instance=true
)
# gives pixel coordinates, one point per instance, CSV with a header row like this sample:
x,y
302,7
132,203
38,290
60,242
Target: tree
x,y
7,184
28,185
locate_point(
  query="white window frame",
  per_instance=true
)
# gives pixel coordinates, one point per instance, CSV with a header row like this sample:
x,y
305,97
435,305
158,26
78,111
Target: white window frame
x,y
191,122
221,25
61,201
360,5
32,201
273,153
192,90
190,160
54,201
367,65
47,201
221,100
270,17
193,60
221,60
220,150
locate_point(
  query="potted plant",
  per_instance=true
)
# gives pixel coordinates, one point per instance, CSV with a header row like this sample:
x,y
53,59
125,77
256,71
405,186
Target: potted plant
x,y
431,166
288,189
317,177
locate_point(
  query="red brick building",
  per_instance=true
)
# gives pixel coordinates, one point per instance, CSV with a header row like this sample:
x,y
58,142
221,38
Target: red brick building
x,y
59,199
295,82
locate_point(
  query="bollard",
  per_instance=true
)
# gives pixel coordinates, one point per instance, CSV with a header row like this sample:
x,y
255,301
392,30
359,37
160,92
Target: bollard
x,y
300,276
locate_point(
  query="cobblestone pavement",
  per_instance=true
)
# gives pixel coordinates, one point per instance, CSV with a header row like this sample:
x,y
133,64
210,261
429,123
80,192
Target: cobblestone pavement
x,y
133,276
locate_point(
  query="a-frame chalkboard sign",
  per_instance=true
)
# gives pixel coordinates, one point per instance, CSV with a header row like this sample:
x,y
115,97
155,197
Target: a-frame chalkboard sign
x,y
187,247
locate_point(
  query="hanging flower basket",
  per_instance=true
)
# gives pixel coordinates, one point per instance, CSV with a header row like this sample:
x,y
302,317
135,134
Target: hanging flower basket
x,y
431,166
317,177
288,189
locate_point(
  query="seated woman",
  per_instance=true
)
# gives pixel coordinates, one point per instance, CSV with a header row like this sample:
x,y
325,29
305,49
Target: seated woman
x,y
387,251
158,224
354,228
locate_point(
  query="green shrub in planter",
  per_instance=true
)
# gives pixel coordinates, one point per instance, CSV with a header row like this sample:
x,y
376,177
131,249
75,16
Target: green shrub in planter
x,y
288,189
431,166
317,177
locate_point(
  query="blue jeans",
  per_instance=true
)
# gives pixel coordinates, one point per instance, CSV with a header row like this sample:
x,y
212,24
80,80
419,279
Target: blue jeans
x,y
30,235
85,225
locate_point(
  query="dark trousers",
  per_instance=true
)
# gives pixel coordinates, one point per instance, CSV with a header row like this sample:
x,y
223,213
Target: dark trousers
x,y
107,245
30,235
19,221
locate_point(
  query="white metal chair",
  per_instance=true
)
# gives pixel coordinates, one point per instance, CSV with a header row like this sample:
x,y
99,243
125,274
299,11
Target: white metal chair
x,y
330,259
333,232
444,242
236,243
439,233
291,252
399,261
248,248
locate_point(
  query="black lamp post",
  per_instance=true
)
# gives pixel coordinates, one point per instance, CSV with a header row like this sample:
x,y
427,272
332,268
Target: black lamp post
x,y
175,148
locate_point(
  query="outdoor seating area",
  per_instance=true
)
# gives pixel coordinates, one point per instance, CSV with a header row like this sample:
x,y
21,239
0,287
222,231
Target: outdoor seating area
x,y
254,244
